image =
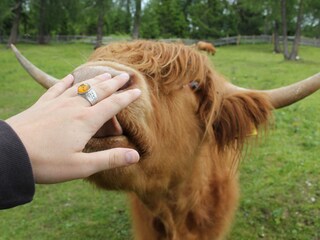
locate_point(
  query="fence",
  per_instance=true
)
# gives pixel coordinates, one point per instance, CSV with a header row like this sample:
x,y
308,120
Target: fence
x,y
235,40
65,39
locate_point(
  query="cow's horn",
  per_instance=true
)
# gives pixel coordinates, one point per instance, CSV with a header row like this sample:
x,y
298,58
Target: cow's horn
x,y
285,96
41,77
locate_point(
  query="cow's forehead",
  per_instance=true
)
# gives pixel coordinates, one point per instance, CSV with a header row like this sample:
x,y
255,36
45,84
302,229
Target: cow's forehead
x,y
87,72
92,69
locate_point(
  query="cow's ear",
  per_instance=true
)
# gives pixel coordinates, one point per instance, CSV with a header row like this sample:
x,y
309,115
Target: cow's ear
x,y
240,115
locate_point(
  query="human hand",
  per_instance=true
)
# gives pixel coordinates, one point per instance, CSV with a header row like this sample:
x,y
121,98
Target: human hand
x,y
57,127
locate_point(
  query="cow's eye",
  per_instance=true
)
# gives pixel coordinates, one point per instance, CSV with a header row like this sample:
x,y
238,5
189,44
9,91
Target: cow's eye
x,y
194,85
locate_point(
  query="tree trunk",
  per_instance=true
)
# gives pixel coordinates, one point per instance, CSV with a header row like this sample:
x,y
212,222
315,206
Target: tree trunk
x,y
137,19
284,29
185,8
128,16
42,22
276,40
100,24
15,24
295,46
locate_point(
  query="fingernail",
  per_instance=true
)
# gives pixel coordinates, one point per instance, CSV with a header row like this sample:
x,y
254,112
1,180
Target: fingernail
x,y
132,157
136,91
124,75
106,76
69,77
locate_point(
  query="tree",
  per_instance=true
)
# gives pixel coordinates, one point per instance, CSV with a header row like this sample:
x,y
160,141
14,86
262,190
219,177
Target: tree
x,y
101,12
312,23
45,18
42,27
199,19
271,12
297,37
5,9
127,24
137,19
119,19
163,18
150,21
250,17
171,18
299,18
212,18
16,10
276,37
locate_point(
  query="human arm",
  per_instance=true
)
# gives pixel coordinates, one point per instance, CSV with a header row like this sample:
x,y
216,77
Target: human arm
x,y
55,130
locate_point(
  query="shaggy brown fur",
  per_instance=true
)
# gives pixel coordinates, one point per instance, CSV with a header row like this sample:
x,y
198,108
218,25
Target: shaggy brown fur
x,y
205,46
185,185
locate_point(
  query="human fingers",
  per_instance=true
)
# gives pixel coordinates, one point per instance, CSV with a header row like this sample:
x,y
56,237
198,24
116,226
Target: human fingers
x,y
107,159
92,82
112,105
83,165
58,88
104,89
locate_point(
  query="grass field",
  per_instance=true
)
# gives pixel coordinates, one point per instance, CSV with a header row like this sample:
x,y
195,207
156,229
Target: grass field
x,y
280,177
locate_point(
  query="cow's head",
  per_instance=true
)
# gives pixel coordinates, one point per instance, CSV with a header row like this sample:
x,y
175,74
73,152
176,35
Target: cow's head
x,y
184,105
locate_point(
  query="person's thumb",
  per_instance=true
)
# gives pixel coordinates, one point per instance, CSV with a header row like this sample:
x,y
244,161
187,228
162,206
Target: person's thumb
x,y
108,159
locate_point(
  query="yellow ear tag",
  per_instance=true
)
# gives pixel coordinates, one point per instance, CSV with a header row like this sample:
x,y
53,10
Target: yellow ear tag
x,y
254,132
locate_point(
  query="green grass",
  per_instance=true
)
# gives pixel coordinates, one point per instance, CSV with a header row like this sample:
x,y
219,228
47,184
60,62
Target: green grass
x,y
280,176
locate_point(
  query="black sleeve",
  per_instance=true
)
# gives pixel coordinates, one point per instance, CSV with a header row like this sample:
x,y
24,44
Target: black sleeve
x,y
16,178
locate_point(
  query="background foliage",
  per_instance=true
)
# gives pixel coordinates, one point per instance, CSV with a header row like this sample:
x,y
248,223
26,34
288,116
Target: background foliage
x,y
200,19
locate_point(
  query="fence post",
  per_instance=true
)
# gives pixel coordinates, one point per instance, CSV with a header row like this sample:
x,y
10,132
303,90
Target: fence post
x,y
238,39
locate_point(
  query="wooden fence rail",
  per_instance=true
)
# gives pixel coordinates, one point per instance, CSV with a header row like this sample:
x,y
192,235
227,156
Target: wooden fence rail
x,y
234,40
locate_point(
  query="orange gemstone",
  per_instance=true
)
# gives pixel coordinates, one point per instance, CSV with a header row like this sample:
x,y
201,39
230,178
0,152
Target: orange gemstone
x,y
83,88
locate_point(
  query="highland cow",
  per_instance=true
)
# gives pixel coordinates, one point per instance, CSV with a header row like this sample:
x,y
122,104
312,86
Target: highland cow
x,y
205,46
189,126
